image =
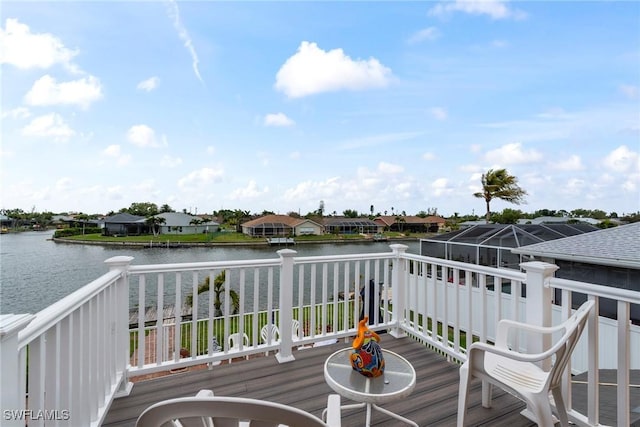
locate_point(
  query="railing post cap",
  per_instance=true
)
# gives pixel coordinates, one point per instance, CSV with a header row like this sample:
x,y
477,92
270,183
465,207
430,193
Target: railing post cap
x,y
540,266
11,324
286,253
398,247
119,261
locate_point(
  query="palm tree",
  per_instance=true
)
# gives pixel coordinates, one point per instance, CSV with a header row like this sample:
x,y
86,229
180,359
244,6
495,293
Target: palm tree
x,y
154,222
196,222
218,289
498,184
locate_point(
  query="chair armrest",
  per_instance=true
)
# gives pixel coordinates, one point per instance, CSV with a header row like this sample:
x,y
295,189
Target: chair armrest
x,y
333,410
505,325
505,352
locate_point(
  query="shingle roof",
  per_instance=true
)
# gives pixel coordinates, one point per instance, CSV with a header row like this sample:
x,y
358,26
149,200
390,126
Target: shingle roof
x,y
617,246
124,218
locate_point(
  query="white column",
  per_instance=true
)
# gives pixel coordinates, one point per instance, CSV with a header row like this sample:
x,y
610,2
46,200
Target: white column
x,y
286,305
538,308
121,324
12,397
398,289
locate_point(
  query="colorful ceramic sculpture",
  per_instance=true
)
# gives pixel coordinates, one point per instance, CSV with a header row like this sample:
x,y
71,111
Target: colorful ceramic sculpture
x,y
367,357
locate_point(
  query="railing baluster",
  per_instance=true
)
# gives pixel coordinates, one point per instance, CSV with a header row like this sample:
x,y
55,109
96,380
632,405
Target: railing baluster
x,y
141,320
160,348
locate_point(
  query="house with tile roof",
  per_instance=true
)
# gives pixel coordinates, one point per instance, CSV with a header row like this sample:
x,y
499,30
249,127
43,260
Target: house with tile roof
x,y
281,226
411,223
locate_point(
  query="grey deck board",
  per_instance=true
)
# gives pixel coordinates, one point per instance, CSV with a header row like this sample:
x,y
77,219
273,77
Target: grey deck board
x,y
301,384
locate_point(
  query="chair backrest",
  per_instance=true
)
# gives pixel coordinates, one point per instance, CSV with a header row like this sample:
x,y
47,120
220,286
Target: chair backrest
x,y
295,329
573,328
269,329
234,340
226,411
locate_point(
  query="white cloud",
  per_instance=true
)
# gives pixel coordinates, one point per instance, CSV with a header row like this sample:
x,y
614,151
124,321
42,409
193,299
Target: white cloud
x,y
312,70
438,113
170,162
390,168
200,178
430,34
510,154
149,84
211,150
441,186
16,113
295,155
142,136
63,184
174,15
49,125
310,190
251,191
114,151
23,49
496,9
622,160
573,163
429,156
630,91
82,92
277,119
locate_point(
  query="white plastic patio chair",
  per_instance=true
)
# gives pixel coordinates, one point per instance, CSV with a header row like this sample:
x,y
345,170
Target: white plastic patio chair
x,y
206,410
269,335
234,342
520,373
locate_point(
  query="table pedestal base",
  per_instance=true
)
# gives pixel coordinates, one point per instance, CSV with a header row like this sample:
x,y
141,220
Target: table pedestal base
x,y
371,406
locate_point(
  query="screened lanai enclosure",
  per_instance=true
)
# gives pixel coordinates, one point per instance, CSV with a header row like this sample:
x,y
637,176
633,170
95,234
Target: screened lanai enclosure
x,y
491,244
350,226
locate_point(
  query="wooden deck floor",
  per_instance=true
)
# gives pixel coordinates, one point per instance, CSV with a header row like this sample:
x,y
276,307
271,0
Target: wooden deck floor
x,y
301,384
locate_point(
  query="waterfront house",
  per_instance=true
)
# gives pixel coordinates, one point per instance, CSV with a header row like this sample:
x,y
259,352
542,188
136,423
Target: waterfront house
x,y
182,223
86,360
410,223
344,225
125,224
280,226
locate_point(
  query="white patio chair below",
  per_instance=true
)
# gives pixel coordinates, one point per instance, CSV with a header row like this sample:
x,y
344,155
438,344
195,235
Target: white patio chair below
x,y
269,335
207,410
520,373
234,342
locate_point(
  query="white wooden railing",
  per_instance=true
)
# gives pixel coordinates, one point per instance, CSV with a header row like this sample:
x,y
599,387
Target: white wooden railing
x,y
80,352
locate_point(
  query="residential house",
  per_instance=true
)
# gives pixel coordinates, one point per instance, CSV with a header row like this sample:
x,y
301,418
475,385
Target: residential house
x,y
183,223
609,257
410,223
125,224
343,225
281,225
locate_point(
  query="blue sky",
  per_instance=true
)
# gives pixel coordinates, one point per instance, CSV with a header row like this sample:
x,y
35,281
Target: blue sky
x,y
279,105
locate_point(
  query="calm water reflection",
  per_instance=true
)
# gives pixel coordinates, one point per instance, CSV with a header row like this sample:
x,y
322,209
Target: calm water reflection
x,y
36,272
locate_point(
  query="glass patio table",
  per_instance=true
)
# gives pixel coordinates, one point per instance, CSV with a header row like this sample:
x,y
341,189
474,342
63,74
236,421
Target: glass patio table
x,y
397,381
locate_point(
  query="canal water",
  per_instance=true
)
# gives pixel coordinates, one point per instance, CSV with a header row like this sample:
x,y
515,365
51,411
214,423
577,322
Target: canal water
x,y
36,272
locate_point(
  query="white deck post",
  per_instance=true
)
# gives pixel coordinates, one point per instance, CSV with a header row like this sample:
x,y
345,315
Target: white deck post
x,y
398,290
286,305
12,396
538,308
539,299
121,329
